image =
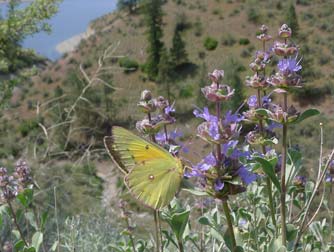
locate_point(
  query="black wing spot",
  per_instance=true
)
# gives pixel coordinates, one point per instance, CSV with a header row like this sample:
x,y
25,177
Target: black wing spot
x,y
151,177
147,147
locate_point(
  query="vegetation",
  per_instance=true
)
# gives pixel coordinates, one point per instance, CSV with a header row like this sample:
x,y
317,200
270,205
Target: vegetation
x,y
210,43
154,23
74,198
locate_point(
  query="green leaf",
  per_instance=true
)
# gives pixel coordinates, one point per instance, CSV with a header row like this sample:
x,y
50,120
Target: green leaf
x,y
31,219
306,114
37,240
195,192
276,245
291,232
16,233
54,246
204,221
31,249
179,222
26,197
44,217
293,165
269,169
187,186
262,112
19,245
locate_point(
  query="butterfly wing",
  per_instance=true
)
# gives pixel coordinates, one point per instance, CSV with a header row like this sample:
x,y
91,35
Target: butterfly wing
x,y
153,175
156,182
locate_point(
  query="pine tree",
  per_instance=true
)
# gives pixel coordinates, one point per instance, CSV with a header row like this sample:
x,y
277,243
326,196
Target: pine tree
x,y
129,4
165,72
178,50
154,23
291,19
232,78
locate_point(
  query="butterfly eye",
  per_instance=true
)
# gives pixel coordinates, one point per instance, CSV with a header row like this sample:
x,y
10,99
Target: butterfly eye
x,y
147,147
151,177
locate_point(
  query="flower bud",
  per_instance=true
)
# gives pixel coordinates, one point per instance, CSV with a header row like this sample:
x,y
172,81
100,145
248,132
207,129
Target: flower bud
x,y
285,31
257,81
146,95
216,76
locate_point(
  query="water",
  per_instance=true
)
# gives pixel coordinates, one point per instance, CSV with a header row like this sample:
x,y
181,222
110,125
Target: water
x,y
72,18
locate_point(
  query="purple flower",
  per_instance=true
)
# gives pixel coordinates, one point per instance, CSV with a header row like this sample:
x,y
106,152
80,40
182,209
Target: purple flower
x,y
252,102
232,118
219,185
205,114
161,136
208,162
170,110
288,66
246,176
273,125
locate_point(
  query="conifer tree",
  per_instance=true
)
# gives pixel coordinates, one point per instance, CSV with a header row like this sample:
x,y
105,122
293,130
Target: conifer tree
x,y
154,23
129,4
291,19
165,71
232,78
178,50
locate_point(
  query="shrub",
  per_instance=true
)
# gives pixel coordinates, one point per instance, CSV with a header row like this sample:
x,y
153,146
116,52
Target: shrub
x,y
210,43
186,92
243,41
228,40
253,15
198,28
128,64
26,126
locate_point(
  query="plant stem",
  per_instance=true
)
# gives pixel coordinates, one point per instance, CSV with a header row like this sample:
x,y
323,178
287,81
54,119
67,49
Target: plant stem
x,y
230,225
180,244
130,232
269,187
283,171
157,230
16,223
302,226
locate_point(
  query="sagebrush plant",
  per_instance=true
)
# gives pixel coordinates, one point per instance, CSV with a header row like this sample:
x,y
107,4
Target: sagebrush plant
x,y
249,174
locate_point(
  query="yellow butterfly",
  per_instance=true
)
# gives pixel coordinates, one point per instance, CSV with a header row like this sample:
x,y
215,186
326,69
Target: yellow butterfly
x,y
152,174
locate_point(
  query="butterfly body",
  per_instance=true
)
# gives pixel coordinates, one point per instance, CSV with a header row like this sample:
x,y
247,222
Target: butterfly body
x,y
152,174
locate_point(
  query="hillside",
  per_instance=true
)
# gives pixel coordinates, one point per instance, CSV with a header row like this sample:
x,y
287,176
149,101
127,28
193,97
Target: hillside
x,y
229,22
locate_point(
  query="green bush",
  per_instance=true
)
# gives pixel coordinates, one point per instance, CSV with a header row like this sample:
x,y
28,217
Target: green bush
x,y
186,92
210,43
244,41
253,15
26,126
128,64
228,40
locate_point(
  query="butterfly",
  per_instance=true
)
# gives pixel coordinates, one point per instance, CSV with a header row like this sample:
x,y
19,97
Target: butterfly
x,y
152,174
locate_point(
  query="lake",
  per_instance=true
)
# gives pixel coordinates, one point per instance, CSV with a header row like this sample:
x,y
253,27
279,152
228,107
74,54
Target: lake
x,y
73,18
